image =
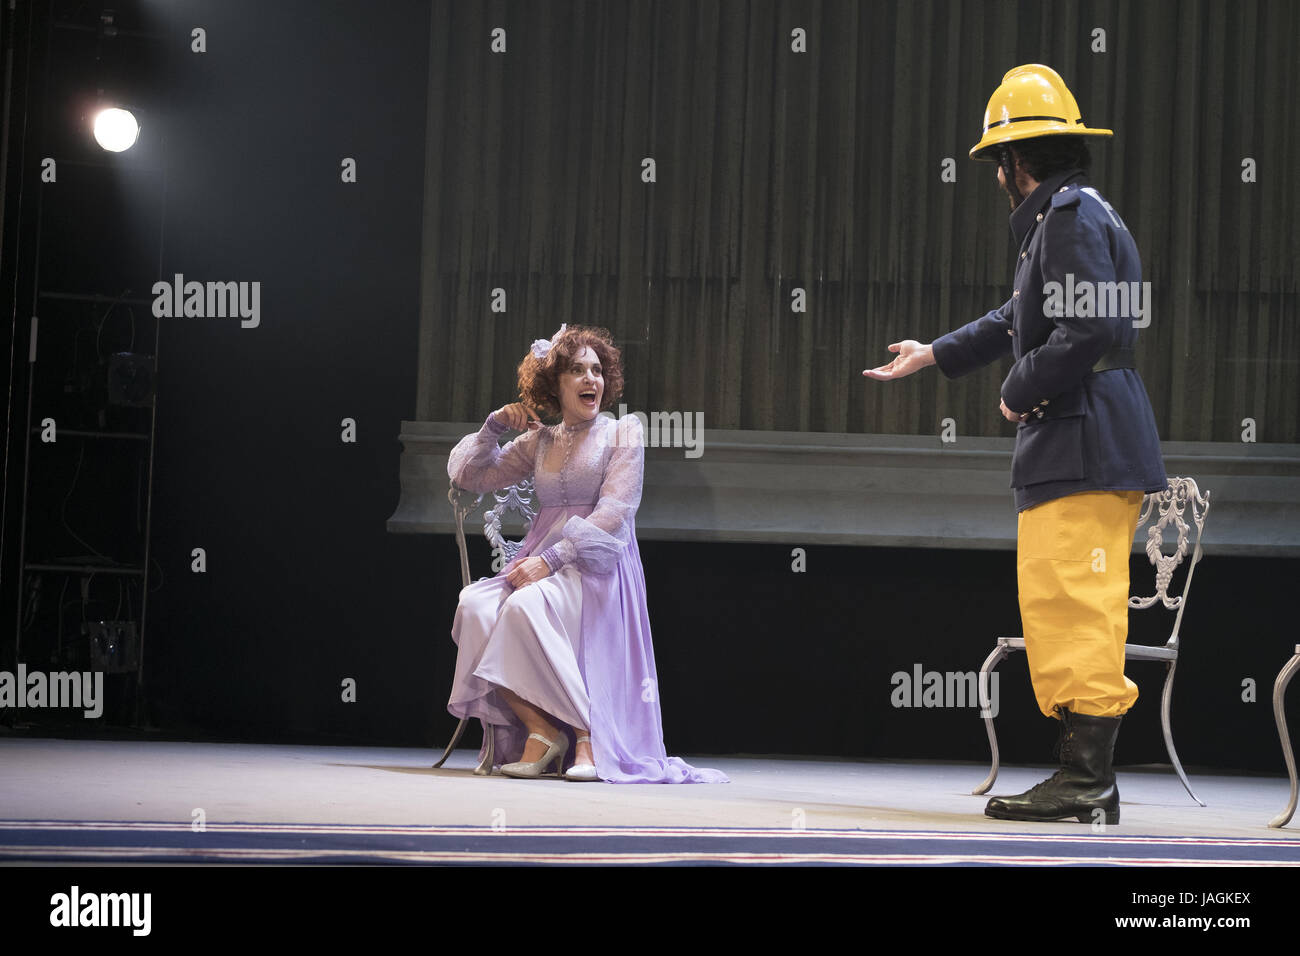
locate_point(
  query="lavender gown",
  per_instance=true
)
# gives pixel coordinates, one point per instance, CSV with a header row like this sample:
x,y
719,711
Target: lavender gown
x,y
575,644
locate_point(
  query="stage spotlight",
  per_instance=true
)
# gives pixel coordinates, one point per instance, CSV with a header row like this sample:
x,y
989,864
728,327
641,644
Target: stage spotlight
x,y
116,129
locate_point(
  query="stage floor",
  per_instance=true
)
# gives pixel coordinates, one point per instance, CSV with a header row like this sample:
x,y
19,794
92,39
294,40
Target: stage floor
x,y
63,787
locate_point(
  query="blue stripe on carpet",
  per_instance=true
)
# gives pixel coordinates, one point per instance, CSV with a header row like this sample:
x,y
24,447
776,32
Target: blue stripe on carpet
x,y
90,841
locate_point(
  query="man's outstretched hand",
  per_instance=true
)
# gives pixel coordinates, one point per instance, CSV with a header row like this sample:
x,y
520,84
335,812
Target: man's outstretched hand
x,y
912,357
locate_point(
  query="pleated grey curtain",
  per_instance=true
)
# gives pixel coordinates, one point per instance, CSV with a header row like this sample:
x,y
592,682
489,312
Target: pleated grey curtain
x,y
823,171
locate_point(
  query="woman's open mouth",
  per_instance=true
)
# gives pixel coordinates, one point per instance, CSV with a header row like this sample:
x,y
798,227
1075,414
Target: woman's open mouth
x,y
588,398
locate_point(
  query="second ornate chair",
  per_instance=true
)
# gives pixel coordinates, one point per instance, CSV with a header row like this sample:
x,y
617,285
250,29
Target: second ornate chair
x,y
1279,714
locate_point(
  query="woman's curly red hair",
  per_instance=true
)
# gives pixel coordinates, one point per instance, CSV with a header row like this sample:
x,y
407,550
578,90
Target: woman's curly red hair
x,y
539,386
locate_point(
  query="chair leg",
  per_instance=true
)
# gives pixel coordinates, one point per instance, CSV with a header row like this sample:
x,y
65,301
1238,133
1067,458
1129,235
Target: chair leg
x,y
455,739
484,768
1166,700
986,711
1279,714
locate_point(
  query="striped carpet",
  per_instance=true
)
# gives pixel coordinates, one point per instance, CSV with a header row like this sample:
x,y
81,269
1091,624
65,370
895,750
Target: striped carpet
x,y
64,842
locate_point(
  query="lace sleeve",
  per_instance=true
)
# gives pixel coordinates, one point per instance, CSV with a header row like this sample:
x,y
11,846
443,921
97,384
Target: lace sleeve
x,y
596,543
479,464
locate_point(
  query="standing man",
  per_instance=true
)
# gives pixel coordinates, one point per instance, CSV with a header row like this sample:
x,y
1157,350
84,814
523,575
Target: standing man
x,y
1086,442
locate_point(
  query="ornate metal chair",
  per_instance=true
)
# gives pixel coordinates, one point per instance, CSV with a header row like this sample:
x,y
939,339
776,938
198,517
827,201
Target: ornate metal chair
x,y
518,498
1169,506
1279,714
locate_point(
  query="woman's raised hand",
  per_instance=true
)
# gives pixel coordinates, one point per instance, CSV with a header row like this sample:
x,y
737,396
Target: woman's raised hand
x,y
518,417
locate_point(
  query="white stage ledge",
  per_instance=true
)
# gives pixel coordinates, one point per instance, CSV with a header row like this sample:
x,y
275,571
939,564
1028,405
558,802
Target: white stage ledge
x,y
803,488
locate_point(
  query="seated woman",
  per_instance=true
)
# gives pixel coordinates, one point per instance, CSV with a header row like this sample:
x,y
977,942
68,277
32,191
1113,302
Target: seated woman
x,y
558,643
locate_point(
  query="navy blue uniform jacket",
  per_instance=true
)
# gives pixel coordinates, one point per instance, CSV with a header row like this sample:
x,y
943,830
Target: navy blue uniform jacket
x,y
1097,431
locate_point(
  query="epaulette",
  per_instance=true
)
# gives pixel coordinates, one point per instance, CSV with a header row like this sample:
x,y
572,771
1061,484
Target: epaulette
x,y
1066,196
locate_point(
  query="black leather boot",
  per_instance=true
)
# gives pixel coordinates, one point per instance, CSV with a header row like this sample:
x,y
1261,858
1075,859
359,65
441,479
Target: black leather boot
x,y
1085,782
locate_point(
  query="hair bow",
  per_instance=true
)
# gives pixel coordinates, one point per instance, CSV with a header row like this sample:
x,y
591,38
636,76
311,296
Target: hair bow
x,y
542,346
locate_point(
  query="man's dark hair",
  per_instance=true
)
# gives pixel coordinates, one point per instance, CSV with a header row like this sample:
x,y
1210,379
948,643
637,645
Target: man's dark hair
x,y
1043,156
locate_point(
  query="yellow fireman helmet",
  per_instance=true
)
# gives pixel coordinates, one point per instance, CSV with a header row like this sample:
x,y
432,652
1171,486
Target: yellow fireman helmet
x,y
1032,101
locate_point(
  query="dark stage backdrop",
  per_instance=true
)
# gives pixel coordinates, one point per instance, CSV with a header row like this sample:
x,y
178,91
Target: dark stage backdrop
x,y
303,590
777,170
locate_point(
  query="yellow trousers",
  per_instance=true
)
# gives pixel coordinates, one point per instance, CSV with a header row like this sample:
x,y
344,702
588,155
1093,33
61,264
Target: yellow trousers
x,y
1072,571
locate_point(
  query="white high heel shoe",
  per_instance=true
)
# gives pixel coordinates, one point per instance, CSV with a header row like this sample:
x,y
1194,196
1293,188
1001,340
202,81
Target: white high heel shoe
x,y
529,771
582,772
